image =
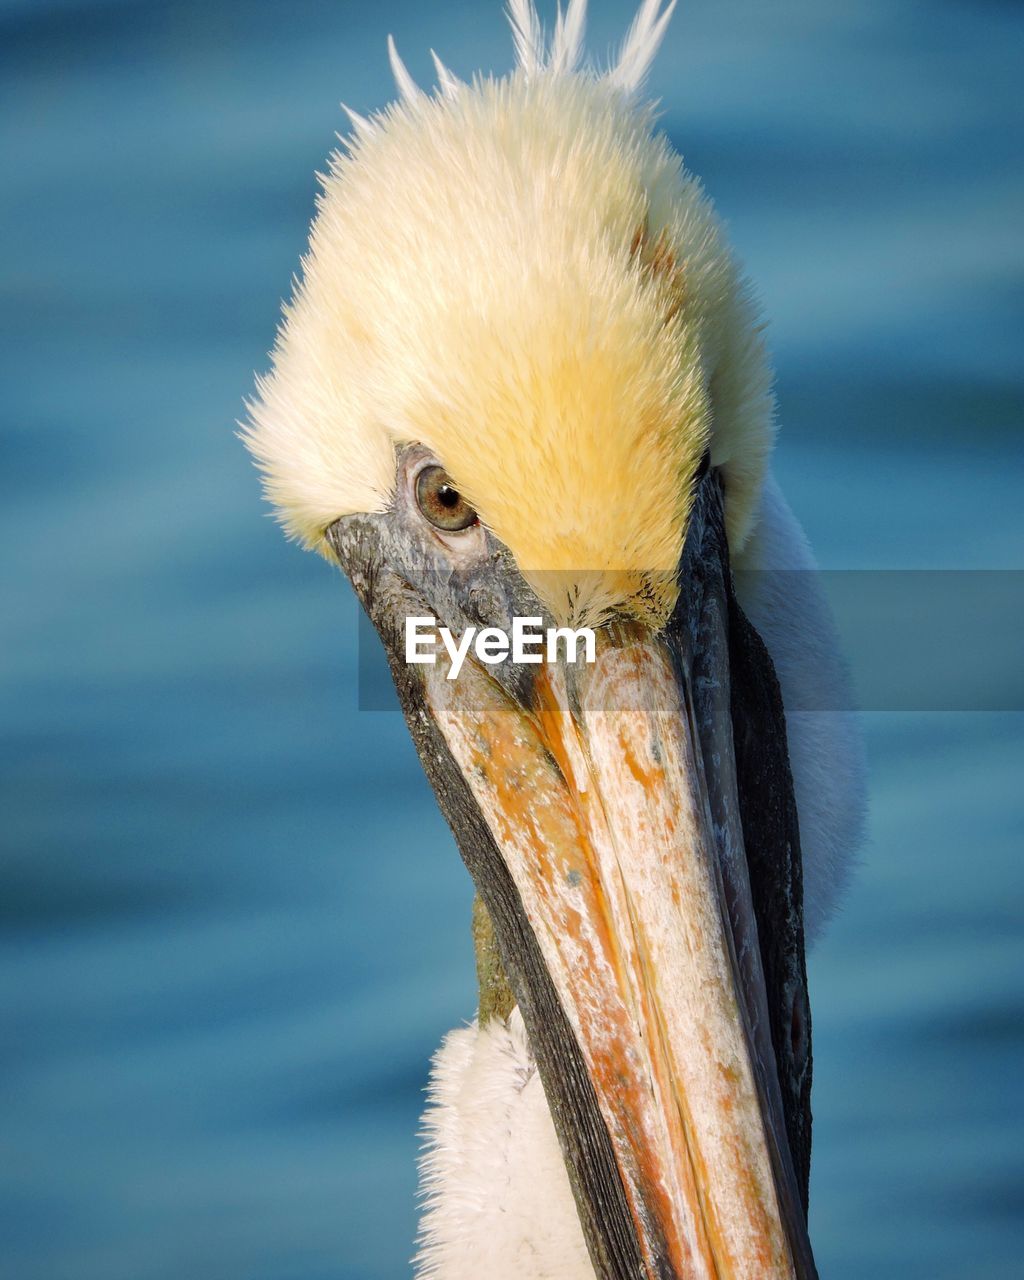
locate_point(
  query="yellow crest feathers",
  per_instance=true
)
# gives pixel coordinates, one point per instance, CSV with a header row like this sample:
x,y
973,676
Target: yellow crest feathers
x,y
520,275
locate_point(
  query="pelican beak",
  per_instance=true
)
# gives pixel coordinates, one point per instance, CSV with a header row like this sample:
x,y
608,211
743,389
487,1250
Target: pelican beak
x,y
631,829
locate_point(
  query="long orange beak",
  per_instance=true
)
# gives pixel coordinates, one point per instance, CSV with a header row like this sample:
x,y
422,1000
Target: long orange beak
x,y
630,826
600,802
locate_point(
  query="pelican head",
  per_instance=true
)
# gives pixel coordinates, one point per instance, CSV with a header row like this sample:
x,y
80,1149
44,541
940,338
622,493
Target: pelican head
x,y
522,376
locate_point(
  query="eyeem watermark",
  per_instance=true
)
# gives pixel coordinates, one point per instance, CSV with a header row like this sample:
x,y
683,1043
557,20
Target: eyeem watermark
x,y
528,641
915,640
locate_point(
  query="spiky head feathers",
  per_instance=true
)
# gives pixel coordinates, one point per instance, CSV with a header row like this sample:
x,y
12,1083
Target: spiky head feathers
x,y
519,275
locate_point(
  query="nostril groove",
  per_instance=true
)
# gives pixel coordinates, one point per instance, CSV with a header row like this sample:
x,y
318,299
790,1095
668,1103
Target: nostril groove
x,y
798,1030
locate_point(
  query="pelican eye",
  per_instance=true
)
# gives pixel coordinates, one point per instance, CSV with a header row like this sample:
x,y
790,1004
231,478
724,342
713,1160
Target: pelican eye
x,y
441,502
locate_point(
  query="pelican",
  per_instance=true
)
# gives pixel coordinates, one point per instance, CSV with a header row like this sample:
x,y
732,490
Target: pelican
x,y
523,377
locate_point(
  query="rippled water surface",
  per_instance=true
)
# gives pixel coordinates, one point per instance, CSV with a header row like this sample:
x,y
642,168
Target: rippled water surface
x,y
234,925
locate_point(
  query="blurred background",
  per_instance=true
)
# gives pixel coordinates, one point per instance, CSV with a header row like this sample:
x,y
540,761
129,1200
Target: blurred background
x,y
234,924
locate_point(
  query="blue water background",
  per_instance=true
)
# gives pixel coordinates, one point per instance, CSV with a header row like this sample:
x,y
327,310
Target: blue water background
x,y
234,924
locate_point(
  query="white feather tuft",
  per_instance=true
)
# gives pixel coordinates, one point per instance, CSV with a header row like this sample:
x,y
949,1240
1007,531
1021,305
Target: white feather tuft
x,y
498,1200
527,35
567,45
448,83
641,45
407,86
364,128
635,57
